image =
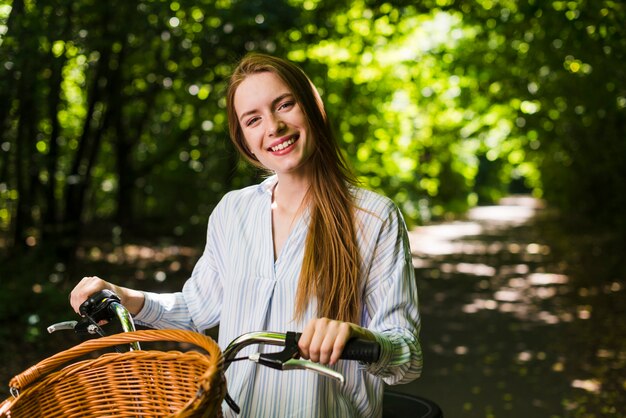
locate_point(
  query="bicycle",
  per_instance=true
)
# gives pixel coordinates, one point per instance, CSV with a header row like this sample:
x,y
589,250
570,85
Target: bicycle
x,y
154,383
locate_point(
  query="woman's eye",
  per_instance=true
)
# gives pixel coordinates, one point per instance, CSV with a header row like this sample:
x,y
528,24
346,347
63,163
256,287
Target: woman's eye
x,y
285,105
251,121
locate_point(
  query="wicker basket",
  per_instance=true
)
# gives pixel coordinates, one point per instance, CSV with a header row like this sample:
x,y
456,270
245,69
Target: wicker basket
x,y
132,384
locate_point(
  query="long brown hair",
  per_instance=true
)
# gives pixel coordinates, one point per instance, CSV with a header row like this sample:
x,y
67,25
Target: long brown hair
x,y
331,265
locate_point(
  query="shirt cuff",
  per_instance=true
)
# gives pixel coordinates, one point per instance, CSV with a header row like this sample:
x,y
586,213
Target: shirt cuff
x,y
151,311
386,354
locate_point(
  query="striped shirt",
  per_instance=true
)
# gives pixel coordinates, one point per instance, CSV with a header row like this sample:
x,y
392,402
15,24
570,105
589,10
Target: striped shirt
x,y
238,285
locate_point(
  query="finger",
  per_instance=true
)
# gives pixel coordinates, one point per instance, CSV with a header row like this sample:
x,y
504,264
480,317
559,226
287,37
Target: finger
x,y
324,339
305,339
326,348
343,335
84,289
74,294
318,338
337,334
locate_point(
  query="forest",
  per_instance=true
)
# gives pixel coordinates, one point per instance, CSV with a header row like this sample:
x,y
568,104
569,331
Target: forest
x,y
113,127
114,112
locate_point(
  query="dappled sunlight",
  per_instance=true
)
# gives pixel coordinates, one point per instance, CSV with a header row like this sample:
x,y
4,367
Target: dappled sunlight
x,y
131,253
464,237
510,215
157,263
513,210
544,279
522,297
443,239
524,306
514,280
590,385
468,268
508,295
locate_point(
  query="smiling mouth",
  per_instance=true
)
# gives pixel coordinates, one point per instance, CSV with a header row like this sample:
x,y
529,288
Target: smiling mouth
x,y
285,144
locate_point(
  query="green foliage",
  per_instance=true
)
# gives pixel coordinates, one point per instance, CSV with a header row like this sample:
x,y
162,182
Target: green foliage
x,y
115,110
555,65
409,113
123,108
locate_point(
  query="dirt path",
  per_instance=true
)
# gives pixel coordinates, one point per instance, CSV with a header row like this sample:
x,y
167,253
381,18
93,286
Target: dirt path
x,y
506,332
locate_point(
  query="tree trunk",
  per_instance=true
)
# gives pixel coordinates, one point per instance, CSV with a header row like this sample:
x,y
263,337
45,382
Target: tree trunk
x,y
50,215
6,97
80,173
24,147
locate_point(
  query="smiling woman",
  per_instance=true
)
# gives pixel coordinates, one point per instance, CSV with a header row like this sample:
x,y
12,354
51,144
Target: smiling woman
x,y
306,249
273,125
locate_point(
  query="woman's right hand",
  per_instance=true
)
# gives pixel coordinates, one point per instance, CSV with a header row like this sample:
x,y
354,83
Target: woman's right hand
x,y
132,299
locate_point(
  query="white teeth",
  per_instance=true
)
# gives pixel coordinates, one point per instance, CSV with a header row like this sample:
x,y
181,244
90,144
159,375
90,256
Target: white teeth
x,y
284,145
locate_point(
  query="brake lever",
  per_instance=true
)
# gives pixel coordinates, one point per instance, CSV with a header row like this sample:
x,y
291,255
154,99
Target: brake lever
x,y
299,364
62,326
296,364
289,359
98,308
101,307
81,327
278,359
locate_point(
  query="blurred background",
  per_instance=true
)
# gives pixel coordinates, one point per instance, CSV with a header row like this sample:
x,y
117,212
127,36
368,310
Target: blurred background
x,y
497,126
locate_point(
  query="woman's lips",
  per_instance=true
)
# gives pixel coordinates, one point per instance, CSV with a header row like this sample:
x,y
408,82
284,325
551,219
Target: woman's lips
x,y
286,142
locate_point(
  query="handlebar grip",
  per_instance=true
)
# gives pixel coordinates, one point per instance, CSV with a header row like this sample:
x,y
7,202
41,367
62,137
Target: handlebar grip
x,y
97,304
358,349
362,350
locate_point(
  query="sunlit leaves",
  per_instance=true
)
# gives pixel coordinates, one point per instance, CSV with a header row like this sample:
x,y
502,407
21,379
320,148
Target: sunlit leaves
x,y
5,11
401,71
434,102
73,90
574,65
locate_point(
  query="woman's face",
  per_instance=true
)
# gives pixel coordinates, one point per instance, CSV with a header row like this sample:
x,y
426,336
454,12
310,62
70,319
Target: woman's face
x,y
273,124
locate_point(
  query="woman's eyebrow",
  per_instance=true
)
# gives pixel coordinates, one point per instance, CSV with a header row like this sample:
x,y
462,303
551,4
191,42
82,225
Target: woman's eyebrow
x,y
274,102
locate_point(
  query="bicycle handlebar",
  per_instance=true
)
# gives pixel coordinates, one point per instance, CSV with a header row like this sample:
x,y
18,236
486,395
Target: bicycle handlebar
x,y
105,306
356,349
288,359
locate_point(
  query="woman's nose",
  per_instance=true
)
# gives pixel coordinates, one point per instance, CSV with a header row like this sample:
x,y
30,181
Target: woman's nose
x,y
275,125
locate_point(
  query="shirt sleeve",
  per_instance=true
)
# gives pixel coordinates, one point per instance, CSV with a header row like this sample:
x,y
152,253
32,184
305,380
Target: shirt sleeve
x,y
392,303
198,306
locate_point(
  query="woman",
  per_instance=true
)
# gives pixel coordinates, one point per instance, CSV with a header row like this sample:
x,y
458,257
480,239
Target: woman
x,y
304,250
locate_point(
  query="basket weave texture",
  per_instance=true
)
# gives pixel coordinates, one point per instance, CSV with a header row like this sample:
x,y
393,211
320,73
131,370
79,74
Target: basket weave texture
x,y
131,384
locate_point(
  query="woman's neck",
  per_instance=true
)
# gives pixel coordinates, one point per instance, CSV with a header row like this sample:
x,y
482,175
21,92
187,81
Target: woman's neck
x,y
288,203
289,194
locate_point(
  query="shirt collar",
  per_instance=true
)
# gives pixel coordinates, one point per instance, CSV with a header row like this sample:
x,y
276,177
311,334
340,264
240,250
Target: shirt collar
x,y
267,186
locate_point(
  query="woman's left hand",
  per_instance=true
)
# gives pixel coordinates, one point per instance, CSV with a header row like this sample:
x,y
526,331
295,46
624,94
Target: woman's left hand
x,y
323,339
